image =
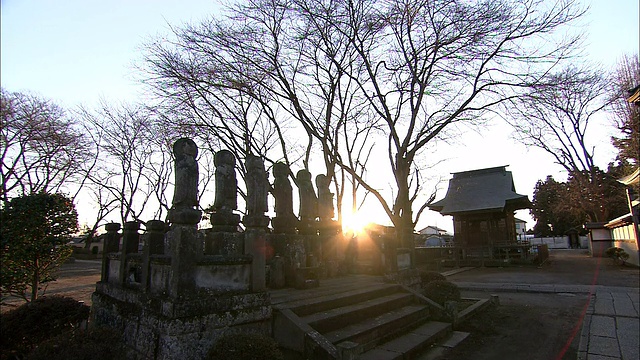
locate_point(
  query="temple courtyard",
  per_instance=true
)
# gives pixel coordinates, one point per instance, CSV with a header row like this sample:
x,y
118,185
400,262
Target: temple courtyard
x,y
560,310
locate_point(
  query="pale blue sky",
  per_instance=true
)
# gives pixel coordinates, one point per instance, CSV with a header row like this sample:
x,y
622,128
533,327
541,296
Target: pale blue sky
x,y
76,52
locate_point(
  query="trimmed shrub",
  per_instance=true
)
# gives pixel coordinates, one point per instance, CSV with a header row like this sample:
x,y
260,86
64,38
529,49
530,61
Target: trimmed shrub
x,y
429,276
442,291
34,322
93,344
245,347
617,254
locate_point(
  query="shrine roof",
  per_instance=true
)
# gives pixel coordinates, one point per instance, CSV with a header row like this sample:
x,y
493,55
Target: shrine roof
x,y
489,189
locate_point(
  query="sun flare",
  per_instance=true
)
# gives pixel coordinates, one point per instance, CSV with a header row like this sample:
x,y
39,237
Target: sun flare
x,y
355,223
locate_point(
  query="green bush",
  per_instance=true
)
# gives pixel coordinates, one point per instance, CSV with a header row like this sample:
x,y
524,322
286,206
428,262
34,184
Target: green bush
x,y
34,322
245,347
429,276
94,344
617,254
442,291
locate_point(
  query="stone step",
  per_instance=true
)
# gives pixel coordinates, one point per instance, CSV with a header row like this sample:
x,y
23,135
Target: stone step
x,y
410,344
283,297
326,302
336,318
441,348
373,330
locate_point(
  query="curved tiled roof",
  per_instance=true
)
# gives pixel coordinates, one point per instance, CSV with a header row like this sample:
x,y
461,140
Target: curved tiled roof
x,y
488,189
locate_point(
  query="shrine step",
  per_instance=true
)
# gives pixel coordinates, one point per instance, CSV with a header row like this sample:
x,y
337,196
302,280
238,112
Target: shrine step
x,y
410,344
350,321
373,330
326,301
339,317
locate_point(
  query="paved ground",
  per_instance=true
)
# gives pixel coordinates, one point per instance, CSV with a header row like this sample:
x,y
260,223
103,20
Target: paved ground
x,y
572,307
584,307
76,280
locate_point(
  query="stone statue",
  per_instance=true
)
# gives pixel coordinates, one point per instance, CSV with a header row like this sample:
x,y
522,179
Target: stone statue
x,y
186,187
226,184
184,209
282,191
308,199
257,186
325,198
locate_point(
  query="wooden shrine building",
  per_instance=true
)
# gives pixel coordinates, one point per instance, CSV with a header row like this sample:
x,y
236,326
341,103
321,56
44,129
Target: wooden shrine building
x,y
482,203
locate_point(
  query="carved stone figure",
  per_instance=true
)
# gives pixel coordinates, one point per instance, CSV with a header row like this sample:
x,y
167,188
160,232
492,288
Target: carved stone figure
x,y
325,198
257,186
308,199
226,184
282,191
185,196
186,187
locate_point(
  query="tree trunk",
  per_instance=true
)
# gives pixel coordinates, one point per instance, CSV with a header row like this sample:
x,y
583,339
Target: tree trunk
x,y
35,279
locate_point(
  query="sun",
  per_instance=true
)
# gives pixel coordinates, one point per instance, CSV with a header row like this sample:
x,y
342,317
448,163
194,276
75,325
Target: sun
x,y
355,223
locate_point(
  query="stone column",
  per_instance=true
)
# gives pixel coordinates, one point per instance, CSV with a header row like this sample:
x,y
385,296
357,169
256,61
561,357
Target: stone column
x,y
255,221
154,246
130,241
256,245
184,247
111,245
185,253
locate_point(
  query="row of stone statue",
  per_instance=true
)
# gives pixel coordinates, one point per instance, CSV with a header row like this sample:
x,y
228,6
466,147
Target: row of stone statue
x,y
312,206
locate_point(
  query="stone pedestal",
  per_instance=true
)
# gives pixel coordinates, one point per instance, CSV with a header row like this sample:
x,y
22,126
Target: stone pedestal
x,y
111,245
225,222
276,273
184,255
307,227
255,244
284,225
130,242
166,328
185,250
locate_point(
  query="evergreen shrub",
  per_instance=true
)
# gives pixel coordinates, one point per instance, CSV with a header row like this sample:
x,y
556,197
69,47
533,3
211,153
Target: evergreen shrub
x,y
39,320
429,276
442,291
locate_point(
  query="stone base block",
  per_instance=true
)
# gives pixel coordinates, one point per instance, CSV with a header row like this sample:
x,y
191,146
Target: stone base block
x,y
163,328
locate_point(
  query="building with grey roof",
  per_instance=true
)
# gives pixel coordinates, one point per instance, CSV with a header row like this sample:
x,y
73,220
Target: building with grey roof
x,y
482,203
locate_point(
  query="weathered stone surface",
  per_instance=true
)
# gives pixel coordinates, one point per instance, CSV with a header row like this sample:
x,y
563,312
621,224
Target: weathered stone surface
x,y
223,243
171,329
185,252
308,199
257,186
185,196
325,198
226,184
285,222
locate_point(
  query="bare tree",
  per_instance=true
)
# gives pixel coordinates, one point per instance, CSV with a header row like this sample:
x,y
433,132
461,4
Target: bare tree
x,y
556,117
135,162
625,115
431,64
410,69
42,148
206,96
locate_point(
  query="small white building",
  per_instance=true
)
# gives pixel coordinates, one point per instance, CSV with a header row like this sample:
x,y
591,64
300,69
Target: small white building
x,y
521,229
433,236
432,230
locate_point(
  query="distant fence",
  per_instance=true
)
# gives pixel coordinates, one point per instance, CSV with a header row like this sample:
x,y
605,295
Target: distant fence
x,y
559,242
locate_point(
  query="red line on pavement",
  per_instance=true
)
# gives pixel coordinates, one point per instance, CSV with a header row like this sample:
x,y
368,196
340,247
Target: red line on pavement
x,y
578,326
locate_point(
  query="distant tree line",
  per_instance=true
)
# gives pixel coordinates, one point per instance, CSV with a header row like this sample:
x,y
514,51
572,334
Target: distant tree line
x,y
590,194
